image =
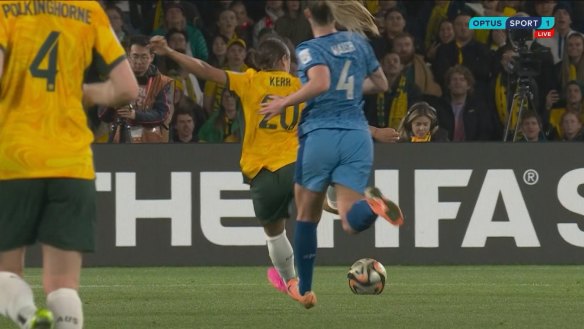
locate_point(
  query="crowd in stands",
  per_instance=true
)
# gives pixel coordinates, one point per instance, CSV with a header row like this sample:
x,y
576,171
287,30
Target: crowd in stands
x,y
470,78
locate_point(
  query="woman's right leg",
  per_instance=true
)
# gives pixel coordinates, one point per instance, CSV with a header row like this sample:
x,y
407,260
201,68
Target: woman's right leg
x,y
22,204
309,208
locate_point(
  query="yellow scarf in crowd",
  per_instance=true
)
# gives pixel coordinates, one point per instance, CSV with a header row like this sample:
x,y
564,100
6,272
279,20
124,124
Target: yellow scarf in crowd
x,y
398,109
501,103
424,139
572,74
181,83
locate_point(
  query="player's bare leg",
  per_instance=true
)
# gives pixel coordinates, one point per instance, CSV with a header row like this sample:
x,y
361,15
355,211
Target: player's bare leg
x,y
16,296
61,276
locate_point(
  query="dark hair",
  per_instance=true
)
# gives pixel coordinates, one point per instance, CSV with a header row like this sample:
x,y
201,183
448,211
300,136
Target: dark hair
x,y
462,70
531,114
174,31
403,35
111,6
140,40
268,53
394,10
185,107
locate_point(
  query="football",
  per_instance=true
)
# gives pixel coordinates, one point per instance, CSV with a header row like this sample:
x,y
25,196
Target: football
x,y
367,277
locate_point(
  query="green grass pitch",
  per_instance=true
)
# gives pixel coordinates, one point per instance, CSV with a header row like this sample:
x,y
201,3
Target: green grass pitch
x,y
415,297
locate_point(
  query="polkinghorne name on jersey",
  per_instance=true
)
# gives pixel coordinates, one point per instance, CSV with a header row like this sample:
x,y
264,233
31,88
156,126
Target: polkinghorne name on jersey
x,y
47,7
280,82
343,48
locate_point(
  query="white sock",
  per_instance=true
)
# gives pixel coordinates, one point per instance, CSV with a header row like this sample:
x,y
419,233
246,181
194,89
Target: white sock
x,y
282,255
66,307
16,298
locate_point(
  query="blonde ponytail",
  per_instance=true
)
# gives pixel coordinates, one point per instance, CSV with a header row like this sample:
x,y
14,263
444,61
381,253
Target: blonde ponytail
x,y
353,16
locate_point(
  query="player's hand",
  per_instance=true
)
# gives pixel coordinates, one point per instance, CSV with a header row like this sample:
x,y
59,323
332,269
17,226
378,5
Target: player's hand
x,y
159,46
386,135
499,37
273,107
552,97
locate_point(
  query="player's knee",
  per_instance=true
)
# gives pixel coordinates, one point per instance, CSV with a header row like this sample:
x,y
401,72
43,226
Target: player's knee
x,y
346,227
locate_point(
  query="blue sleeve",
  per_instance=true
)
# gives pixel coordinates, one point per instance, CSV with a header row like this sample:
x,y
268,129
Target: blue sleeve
x,y
308,57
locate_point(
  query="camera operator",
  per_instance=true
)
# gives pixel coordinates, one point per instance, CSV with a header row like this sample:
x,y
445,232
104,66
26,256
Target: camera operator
x,y
525,63
146,120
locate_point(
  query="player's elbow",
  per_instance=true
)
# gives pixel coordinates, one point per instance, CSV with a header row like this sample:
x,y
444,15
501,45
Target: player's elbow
x,y
383,86
128,94
321,86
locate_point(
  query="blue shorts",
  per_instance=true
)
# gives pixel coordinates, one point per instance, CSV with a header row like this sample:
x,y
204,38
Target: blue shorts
x,y
340,156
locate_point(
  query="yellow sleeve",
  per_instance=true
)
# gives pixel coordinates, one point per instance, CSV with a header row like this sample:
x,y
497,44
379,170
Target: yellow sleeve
x,y
209,88
3,35
238,82
107,50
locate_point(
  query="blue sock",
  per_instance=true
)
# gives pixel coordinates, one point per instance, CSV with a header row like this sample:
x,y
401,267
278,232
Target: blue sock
x,y
305,253
360,216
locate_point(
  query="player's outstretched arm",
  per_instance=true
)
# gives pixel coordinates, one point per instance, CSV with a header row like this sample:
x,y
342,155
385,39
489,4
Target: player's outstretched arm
x,y
375,83
319,80
120,88
195,66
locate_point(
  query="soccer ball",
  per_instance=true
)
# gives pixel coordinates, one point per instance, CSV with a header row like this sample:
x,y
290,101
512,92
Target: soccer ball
x,y
367,277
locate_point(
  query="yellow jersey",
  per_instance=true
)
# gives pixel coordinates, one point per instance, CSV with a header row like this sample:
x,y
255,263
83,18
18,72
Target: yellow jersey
x,y
270,144
48,46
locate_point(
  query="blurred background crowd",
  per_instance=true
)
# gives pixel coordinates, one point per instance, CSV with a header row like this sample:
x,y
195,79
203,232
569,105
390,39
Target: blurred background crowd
x,y
471,78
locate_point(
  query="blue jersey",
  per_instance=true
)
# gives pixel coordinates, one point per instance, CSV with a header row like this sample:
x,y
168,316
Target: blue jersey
x,y
350,60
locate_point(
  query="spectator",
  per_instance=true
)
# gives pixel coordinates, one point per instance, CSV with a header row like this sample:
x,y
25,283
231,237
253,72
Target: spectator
x,y
124,8
438,15
415,67
445,35
212,10
245,24
146,119
227,24
184,124
274,9
494,39
461,114
541,8
394,24
224,125
236,53
556,109
218,51
421,125
563,21
116,18
388,109
531,128
466,51
572,66
186,84
293,25
571,125
174,17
